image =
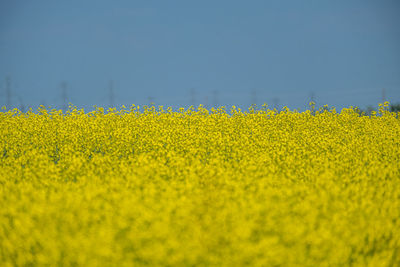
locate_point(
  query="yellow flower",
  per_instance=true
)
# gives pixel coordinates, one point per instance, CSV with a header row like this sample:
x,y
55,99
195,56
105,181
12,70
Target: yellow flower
x,y
154,186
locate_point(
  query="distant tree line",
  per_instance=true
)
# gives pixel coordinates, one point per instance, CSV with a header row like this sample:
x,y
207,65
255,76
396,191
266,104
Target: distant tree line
x,y
395,107
370,109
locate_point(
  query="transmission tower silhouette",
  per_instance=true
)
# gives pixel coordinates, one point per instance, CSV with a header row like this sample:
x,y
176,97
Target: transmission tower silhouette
x,y
383,95
64,96
253,97
8,92
275,100
151,101
111,95
215,99
193,97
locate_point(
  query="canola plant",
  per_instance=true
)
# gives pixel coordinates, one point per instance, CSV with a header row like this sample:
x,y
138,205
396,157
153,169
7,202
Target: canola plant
x,y
198,187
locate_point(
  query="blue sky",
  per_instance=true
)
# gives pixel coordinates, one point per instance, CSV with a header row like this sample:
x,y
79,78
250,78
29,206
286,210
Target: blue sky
x,y
226,52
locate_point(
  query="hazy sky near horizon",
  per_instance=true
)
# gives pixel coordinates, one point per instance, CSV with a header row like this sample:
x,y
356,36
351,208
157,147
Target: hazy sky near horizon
x,y
226,52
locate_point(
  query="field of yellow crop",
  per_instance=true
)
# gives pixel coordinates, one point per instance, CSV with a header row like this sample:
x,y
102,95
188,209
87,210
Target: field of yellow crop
x,y
154,187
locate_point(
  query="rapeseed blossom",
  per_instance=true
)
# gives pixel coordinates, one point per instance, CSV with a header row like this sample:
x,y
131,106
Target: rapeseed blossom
x,y
156,187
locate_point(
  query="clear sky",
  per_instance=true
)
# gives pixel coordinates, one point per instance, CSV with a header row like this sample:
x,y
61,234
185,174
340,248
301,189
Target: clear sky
x,y
178,53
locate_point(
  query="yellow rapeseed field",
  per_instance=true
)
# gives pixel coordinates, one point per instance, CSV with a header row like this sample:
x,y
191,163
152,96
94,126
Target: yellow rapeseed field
x,y
198,187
